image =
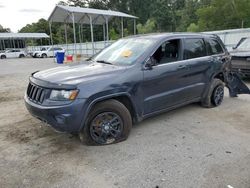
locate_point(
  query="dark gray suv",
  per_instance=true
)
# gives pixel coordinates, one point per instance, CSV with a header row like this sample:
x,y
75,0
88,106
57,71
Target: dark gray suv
x,y
133,79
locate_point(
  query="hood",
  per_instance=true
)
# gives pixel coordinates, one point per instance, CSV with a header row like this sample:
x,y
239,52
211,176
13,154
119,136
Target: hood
x,y
240,53
76,74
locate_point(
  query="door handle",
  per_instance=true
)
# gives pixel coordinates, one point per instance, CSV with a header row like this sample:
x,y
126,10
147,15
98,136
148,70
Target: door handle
x,y
223,59
182,67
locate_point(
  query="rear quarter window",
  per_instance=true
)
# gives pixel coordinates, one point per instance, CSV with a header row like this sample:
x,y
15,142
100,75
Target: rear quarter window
x,y
194,48
214,47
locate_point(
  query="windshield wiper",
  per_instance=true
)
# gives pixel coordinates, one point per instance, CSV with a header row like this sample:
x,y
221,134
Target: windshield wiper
x,y
105,62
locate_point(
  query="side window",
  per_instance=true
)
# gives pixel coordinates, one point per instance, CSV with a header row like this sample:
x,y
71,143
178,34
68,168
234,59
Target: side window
x,y
194,48
214,47
168,52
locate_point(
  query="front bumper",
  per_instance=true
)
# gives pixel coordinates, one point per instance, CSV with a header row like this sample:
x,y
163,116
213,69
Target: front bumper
x,y
67,118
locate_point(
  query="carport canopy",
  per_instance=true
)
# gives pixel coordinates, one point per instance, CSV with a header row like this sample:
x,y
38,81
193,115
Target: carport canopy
x,y
10,38
79,15
4,36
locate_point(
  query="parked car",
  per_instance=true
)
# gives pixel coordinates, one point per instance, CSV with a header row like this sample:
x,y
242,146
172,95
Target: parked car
x,y
34,53
131,80
13,53
48,52
241,57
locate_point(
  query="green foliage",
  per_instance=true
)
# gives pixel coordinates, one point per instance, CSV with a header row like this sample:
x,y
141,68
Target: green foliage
x,y
224,14
148,27
113,34
193,28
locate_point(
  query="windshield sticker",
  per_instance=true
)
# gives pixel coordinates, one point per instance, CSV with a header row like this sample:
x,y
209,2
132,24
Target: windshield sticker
x,y
126,53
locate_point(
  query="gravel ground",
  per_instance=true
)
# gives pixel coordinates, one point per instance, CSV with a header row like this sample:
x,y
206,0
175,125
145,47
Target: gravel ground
x,y
188,147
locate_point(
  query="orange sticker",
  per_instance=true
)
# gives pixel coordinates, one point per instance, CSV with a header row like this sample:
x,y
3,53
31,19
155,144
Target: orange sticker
x,y
126,53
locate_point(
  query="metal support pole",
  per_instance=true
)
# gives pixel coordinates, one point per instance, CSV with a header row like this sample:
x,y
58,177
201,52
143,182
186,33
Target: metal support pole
x,y
80,38
1,47
104,35
74,29
134,26
13,42
66,36
92,35
50,30
107,28
122,26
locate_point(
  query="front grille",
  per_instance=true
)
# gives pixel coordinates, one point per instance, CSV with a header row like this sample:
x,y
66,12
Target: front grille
x,y
35,93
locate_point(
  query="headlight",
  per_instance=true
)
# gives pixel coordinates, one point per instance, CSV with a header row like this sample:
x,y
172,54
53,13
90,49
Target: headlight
x,y
63,95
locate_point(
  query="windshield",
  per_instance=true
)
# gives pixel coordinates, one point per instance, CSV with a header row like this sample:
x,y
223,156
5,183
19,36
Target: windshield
x,y
245,45
124,51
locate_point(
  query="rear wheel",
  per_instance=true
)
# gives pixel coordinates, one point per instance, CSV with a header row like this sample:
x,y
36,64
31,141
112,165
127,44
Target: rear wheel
x,y
3,57
215,94
108,122
44,55
21,55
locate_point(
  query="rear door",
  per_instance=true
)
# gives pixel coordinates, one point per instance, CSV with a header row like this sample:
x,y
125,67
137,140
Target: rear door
x,y
50,52
199,64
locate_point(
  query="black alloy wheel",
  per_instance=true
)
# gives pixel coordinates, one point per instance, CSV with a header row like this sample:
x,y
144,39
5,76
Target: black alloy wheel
x,y
218,95
106,127
108,122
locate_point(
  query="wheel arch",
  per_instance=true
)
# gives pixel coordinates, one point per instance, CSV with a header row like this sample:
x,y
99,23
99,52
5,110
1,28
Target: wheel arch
x,y
123,98
220,76
3,56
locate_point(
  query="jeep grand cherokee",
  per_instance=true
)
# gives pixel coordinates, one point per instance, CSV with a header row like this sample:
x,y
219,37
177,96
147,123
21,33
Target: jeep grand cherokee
x,y
133,79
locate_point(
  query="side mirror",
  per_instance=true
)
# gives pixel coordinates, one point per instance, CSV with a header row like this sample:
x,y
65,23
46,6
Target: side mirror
x,y
150,62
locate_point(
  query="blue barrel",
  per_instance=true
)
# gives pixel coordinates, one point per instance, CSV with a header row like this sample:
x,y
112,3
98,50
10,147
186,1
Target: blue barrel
x,y
60,57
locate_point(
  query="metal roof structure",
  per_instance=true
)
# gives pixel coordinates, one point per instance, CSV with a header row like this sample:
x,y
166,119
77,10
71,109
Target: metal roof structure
x,y
229,31
81,15
6,36
231,37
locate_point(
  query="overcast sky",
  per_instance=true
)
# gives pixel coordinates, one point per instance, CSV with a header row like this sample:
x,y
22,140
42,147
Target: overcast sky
x,y
15,14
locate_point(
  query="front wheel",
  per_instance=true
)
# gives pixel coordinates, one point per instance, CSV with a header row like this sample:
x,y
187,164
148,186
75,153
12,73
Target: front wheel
x,y
108,122
215,94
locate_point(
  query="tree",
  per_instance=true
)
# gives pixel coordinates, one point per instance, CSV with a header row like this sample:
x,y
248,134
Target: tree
x,y
224,14
149,27
4,30
193,28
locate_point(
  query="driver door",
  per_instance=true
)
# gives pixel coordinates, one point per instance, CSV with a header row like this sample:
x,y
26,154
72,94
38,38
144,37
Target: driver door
x,y
165,83
10,54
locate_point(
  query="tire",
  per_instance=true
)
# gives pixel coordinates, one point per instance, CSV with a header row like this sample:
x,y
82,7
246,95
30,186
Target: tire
x,y
3,57
21,56
114,124
44,56
215,94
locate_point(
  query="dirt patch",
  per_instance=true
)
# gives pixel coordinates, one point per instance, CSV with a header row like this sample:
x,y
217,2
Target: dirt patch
x,y
222,175
26,130
13,95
